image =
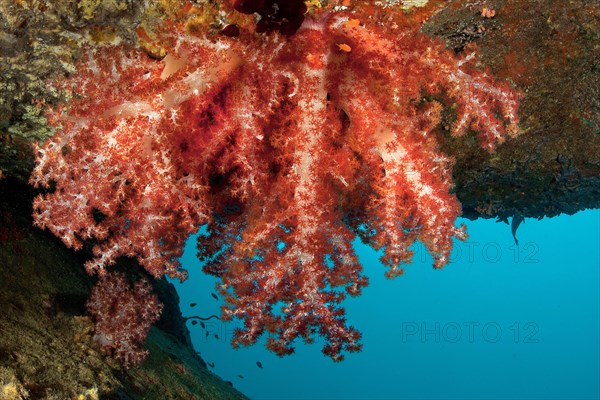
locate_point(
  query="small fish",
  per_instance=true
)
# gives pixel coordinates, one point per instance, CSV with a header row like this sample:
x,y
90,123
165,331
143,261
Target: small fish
x,y
241,376
216,336
514,225
351,23
194,322
207,333
212,365
214,296
202,325
344,47
259,364
193,304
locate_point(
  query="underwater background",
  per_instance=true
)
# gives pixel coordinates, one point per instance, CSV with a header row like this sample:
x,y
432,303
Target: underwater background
x,y
499,321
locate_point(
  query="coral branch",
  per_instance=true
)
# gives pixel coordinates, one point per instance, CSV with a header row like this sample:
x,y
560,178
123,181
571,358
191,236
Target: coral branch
x,y
123,316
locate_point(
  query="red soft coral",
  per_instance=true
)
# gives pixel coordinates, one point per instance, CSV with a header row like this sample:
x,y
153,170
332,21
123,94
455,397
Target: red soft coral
x,y
287,148
123,314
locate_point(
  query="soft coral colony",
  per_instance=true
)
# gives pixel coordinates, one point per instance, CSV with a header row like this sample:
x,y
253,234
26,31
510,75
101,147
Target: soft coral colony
x,y
286,146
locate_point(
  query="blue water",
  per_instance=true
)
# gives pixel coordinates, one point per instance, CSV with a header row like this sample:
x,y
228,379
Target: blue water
x,y
500,321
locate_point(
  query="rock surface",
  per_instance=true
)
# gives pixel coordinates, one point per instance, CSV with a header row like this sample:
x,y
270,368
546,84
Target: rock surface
x,y
47,350
550,51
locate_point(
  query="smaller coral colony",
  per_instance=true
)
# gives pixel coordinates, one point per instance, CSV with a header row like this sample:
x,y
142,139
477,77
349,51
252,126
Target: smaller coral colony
x,y
288,139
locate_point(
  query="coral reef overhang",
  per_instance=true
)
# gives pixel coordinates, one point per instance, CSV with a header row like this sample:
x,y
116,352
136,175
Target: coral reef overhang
x,y
548,50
